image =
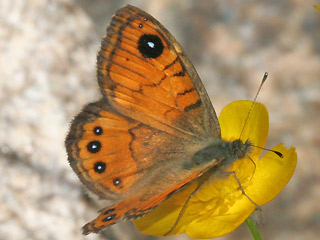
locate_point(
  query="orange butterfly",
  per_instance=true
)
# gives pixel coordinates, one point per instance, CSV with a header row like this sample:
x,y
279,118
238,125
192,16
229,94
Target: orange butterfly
x,y
154,130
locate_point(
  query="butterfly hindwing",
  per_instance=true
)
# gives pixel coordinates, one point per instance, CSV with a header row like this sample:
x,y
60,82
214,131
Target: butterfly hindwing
x,y
132,164
97,139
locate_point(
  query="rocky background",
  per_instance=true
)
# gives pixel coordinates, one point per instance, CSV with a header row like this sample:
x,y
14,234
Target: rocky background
x,y
47,73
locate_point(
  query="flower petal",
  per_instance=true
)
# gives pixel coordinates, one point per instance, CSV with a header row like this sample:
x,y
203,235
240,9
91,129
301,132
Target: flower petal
x,y
236,122
272,174
160,220
226,209
219,206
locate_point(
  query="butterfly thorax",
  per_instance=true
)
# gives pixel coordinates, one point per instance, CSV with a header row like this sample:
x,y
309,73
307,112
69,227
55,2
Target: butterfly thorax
x,y
223,151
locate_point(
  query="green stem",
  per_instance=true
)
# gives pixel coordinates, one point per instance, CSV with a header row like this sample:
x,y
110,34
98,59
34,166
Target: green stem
x,y
253,228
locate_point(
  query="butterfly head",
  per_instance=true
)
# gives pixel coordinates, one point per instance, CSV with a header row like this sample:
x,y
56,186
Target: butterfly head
x,y
238,149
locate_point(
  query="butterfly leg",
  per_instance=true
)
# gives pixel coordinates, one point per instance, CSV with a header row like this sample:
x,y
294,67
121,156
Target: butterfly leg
x,y
243,192
183,209
254,164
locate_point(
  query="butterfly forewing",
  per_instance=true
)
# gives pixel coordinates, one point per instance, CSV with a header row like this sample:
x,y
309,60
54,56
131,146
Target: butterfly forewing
x,y
145,75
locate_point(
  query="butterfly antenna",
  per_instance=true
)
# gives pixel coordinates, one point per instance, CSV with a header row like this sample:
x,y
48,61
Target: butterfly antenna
x,y
265,76
267,149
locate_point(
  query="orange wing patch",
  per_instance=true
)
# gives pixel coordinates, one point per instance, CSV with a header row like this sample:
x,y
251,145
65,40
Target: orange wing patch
x,y
103,143
142,74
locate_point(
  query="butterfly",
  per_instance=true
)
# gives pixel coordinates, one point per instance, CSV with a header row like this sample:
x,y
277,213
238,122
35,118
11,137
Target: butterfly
x,y
154,130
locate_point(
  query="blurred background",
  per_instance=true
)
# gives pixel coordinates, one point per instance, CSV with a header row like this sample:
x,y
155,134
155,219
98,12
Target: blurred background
x,y
47,73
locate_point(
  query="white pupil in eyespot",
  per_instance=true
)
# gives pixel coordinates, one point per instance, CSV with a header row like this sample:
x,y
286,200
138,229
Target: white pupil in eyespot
x,y
151,44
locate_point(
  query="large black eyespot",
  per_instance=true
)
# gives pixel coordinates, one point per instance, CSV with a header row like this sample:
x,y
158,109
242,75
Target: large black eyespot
x,y
150,46
100,167
94,146
97,131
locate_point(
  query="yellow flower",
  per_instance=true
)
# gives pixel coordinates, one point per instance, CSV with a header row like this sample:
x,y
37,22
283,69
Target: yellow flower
x,y
219,206
317,7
